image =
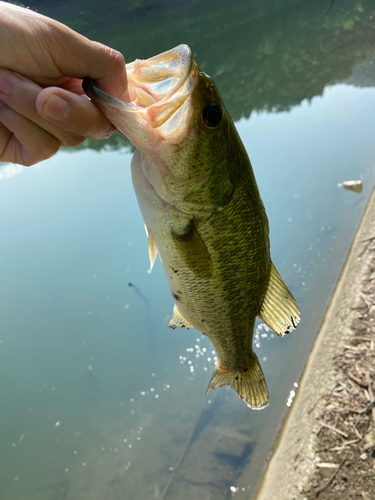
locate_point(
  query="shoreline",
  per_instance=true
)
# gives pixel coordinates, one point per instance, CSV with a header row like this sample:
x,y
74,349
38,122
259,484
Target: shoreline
x,y
292,460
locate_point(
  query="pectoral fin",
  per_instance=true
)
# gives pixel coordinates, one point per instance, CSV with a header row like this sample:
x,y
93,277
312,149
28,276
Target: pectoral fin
x,y
178,321
279,309
152,250
193,250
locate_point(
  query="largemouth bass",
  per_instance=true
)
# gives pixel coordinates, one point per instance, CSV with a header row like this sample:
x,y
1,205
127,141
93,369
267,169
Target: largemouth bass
x,y
203,213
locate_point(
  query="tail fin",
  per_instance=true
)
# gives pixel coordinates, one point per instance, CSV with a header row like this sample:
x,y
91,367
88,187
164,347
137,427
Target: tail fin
x,y
249,383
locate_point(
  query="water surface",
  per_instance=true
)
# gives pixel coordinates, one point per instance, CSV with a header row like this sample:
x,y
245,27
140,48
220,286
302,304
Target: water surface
x,y
99,399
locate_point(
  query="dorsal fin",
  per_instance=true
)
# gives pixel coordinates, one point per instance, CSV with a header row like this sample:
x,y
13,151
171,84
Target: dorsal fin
x,y
279,309
178,321
152,250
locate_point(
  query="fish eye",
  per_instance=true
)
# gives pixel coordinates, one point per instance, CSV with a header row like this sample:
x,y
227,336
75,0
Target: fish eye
x,y
212,115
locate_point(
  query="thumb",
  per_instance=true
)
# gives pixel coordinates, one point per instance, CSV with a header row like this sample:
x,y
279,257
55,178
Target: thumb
x,y
84,58
101,63
73,113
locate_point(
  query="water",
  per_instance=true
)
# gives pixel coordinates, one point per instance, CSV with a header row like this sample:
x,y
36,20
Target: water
x,y
99,399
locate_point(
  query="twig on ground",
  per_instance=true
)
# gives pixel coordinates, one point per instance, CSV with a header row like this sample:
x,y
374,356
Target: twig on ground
x,y
356,379
371,394
334,429
325,485
368,242
367,299
345,446
370,238
359,435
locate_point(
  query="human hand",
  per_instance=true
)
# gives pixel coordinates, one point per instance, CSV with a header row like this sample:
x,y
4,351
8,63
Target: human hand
x,y
42,104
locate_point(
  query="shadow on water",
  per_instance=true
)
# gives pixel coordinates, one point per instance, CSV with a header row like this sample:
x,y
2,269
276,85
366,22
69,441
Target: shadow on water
x,y
57,491
235,461
206,419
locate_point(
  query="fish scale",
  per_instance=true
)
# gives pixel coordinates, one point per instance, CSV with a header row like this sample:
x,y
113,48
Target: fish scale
x,y
203,213
242,269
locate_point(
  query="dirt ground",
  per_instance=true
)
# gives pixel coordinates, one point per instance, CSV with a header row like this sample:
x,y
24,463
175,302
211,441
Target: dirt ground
x,y
326,448
345,427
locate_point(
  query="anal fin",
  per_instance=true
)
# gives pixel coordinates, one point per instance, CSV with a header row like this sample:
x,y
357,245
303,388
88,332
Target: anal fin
x,y
177,320
279,309
249,382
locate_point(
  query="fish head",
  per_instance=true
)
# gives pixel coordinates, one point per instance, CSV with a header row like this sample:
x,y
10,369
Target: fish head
x,y
177,119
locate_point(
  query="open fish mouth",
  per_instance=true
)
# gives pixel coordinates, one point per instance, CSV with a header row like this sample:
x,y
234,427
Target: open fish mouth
x,y
160,106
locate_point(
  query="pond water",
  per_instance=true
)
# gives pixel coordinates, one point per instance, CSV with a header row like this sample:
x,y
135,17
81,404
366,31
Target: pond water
x,y
98,397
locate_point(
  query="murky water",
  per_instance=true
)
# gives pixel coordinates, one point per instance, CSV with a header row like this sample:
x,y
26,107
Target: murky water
x,y
99,399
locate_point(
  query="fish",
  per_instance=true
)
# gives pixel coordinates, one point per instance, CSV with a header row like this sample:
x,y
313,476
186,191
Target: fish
x,y
203,213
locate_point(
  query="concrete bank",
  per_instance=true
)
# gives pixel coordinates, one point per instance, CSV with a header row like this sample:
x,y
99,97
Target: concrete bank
x,y
292,458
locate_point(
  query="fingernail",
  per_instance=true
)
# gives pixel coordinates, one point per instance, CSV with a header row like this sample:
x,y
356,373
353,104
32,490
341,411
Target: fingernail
x,y
55,108
7,82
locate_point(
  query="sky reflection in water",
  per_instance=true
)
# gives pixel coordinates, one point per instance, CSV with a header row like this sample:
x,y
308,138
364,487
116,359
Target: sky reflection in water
x,y
99,399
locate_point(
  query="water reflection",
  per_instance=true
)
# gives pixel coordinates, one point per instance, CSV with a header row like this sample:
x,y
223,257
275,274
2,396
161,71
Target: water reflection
x,y
8,170
73,238
244,46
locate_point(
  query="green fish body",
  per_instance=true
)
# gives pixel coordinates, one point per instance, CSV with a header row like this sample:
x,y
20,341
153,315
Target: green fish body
x,y
203,213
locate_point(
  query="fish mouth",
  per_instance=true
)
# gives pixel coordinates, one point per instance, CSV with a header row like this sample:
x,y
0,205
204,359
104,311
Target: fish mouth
x,y
160,106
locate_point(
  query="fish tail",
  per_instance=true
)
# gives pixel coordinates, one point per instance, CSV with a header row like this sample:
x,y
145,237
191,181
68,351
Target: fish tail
x,y
248,382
